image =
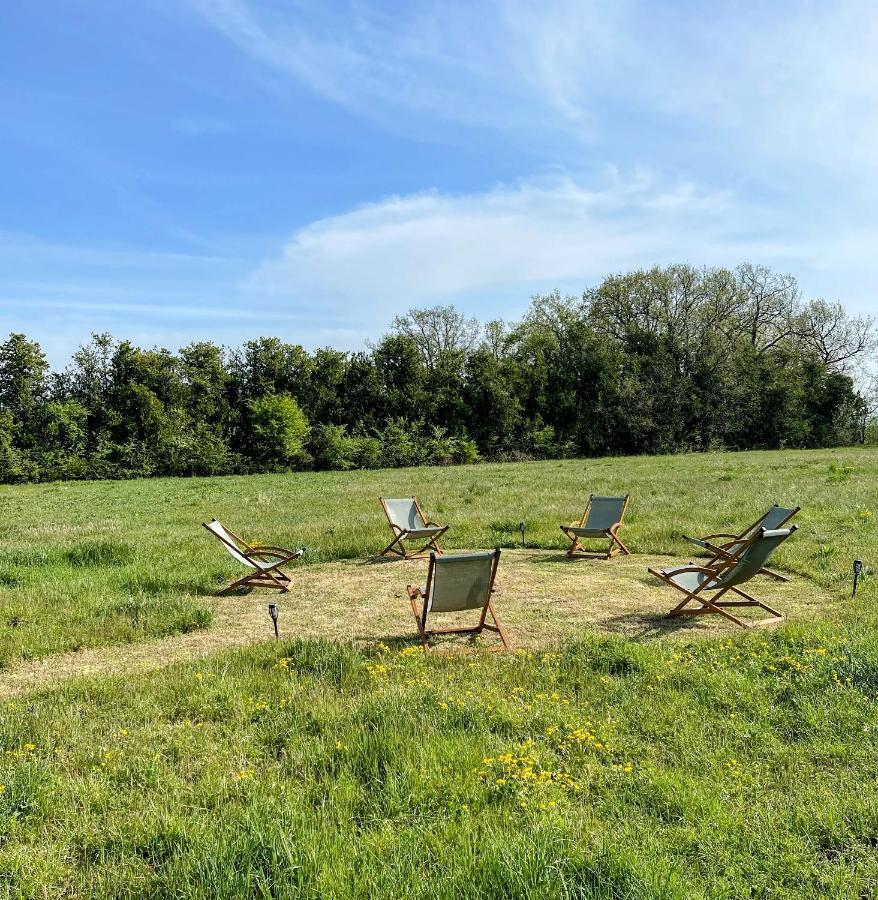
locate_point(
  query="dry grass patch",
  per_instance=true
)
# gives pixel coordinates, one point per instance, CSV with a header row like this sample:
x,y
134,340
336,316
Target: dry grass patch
x,y
542,598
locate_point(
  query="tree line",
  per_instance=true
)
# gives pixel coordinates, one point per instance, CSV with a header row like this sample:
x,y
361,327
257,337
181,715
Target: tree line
x,y
653,361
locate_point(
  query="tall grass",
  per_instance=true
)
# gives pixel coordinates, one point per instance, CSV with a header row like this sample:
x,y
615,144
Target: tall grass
x,y
605,769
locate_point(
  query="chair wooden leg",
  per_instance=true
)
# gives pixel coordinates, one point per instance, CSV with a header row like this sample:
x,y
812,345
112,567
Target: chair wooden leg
x,y
772,574
283,587
240,582
707,605
622,547
414,593
754,602
268,578
498,627
395,546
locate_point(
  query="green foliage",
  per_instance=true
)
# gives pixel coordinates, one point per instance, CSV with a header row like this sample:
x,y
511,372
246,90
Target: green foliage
x,y
331,447
653,361
278,429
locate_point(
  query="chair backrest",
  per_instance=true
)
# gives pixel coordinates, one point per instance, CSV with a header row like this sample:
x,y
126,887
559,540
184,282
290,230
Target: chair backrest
x,y
775,518
461,581
404,513
605,512
754,556
235,546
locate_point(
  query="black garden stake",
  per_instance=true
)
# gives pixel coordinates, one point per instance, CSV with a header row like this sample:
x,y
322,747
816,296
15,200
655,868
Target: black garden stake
x,y
858,570
521,531
272,611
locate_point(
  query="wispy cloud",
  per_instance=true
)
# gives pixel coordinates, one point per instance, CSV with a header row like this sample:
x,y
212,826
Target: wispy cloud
x,y
790,80
340,279
502,65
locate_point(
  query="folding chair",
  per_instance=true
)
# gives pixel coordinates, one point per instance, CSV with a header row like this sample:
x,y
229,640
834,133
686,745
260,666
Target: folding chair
x,y
407,522
707,585
264,560
776,517
457,582
601,519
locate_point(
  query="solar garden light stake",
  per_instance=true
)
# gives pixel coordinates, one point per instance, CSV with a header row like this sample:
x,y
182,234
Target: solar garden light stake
x,y
272,611
521,530
858,570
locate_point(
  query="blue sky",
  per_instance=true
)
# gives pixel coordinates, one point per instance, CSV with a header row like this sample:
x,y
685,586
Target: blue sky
x,y
173,170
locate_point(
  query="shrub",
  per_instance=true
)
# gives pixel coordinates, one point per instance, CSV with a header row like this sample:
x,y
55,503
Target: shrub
x,y
439,448
366,452
331,448
466,452
278,430
400,444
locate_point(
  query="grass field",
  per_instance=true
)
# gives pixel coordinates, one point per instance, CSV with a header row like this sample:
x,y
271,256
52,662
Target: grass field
x,y
102,563
647,762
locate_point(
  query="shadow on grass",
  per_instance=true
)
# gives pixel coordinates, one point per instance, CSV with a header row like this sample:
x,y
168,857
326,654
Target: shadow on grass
x,y
650,625
157,587
440,645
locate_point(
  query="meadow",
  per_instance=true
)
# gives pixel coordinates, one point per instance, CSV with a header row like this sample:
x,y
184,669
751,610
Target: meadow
x,y
707,762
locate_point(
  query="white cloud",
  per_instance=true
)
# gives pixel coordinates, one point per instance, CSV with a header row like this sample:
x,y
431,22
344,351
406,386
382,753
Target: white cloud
x,y
535,234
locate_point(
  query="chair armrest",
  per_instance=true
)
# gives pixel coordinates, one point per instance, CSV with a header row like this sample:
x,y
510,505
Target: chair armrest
x,y
724,534
718,549
705,570
267,554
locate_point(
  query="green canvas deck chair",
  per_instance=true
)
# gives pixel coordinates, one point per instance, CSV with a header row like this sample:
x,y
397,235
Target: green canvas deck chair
x,y
455,583
601,519
263,560
706,586
408,523
776,517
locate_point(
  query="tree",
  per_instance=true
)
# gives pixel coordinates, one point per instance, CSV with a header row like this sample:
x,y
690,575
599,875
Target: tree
x,y
278,429
401,375
23,369
836,337
767,305
437,332
205,376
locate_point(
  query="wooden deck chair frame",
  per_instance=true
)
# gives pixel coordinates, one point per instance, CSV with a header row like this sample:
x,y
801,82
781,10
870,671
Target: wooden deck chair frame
x,y
417,593
615,547
397,547
265,559
722,551
710,600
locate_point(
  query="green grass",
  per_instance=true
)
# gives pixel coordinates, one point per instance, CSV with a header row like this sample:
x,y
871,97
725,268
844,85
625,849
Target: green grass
x,y
101,563
736,767
726,769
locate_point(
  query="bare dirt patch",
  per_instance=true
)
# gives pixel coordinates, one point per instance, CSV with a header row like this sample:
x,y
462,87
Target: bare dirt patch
x,y
542,597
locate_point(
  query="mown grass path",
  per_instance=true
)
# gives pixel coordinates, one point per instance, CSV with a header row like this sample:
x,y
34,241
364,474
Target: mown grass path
x,y
542,598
